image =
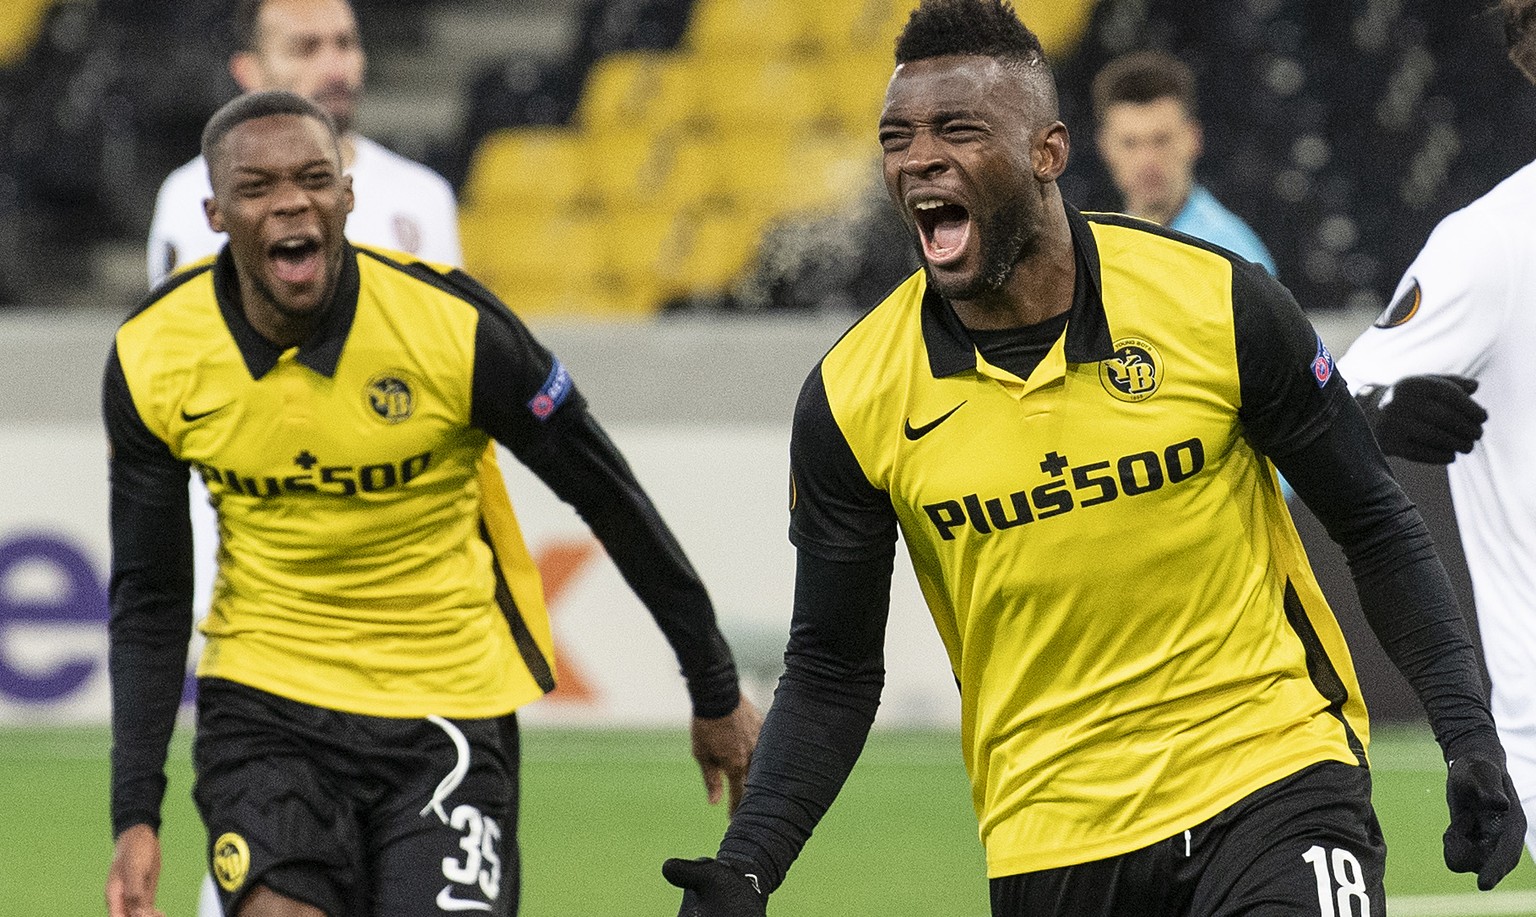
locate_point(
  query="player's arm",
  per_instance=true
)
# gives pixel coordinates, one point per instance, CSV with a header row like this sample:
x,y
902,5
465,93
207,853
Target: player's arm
x,y
845,531
526,400
1298,411
149,630
1414,370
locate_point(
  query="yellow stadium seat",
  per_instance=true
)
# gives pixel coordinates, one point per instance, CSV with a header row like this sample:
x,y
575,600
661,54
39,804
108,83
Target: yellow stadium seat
x,y
754,94
20,22
1059,24
716,247
815,172
524,165
858,26
639,168
639,90
561,265
861,79
752,28
679,251
510,242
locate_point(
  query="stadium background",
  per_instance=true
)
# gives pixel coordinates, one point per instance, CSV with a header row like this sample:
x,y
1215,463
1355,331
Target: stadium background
x,y
678,195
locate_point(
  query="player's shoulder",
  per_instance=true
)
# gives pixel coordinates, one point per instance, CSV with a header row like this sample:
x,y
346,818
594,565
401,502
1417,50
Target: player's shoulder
x,y
1501,215
893,322
189,180
447,284
181,306
377,160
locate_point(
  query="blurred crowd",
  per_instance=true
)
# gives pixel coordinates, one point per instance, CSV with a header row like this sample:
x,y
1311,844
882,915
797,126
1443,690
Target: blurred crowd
x,y
1340,132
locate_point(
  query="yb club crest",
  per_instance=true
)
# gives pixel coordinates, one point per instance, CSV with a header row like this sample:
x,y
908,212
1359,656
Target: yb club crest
x,y
231,860
390,397
1134,372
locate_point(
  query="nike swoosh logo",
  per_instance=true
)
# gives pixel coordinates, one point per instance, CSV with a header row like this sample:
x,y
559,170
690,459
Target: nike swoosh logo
x,y
189,418
447,902
917,433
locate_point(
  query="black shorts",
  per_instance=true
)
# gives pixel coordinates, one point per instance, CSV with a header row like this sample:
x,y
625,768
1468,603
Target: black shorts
x,y
356,815
1305,846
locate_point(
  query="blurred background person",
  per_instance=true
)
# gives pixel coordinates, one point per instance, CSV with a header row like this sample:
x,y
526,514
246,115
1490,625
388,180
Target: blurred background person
x,y
1150,138
1460,325
313,48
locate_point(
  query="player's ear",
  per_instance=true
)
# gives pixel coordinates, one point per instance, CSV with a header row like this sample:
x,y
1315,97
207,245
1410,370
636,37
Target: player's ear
x,y
246,70
215,218
346,179
1051,149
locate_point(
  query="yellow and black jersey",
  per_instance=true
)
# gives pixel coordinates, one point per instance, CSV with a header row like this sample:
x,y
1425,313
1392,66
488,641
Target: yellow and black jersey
x,y
1136,635
355,568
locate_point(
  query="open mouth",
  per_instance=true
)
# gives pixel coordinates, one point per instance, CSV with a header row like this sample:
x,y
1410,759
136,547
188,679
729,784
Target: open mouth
x,y
295,260
944,228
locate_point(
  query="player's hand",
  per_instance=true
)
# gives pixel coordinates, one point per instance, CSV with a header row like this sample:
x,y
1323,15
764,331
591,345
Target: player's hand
x,y
1487,831
135,874
723,747
1428,418
712,888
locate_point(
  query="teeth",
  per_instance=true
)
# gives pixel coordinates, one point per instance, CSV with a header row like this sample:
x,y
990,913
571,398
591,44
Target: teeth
x,y
927,205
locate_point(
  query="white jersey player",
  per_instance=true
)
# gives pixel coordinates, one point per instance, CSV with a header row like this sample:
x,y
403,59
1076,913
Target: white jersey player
x,y
1462,321
401,205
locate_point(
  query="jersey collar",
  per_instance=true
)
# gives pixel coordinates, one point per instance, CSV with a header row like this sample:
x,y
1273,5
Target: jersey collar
x,y
321,352
951,351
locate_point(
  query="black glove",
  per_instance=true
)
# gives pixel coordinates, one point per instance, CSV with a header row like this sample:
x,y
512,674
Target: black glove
x,y
1487,829
1425,418
712,888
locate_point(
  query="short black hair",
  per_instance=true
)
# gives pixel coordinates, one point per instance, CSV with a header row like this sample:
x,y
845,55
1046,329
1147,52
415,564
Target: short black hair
x,y
260,105
1141,77
986,28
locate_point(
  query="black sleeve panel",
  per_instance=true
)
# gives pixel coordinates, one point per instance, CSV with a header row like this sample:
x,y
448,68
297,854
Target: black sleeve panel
x,y
1289,388
1404,590
834,670
834,509
519,386
151,599
524,398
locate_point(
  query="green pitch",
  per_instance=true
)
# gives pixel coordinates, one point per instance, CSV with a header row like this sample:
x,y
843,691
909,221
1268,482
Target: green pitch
x,y
602,810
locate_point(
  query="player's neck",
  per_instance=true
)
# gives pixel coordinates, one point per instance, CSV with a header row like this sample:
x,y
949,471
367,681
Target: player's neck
x,y
348,150
1040,287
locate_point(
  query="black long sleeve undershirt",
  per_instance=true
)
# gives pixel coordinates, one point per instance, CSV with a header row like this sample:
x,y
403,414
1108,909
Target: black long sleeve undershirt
x,y
834,670
578,461
1405,593
151,600
574,457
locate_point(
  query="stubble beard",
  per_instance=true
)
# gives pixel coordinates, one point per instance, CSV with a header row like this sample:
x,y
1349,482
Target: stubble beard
x,y
1007,238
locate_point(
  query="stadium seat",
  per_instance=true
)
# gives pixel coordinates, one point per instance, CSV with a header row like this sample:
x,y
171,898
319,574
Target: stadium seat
x,y
782,93
639,90
20,22
517,166
748,29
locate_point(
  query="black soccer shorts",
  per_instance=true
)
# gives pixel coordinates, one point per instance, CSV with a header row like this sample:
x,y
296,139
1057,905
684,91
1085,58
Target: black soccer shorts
x,y
1305,846
356,815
